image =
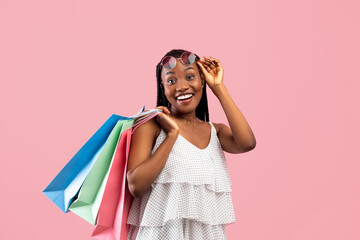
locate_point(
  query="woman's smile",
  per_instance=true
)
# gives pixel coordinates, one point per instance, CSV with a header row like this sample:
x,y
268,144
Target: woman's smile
x,y
185,98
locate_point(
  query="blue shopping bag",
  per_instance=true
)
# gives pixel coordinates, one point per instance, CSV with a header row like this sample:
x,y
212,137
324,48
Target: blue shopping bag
x,y
63,189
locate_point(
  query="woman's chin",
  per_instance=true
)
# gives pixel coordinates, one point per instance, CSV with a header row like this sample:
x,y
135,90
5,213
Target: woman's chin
x,y
185,107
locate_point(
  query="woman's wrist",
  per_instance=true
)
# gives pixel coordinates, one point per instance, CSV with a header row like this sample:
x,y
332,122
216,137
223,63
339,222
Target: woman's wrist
x,y
219,89
173,133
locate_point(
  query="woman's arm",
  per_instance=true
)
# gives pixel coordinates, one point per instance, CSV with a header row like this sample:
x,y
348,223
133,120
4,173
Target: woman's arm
x,y
143,168
239,137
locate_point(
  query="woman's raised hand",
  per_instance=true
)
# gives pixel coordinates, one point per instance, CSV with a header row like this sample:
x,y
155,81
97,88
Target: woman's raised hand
x,y
169,125
212,70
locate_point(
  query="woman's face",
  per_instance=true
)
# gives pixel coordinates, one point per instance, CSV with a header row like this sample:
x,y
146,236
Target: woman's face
x,y
183,80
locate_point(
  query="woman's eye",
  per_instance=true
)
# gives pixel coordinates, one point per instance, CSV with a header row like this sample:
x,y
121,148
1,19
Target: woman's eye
x,y
171,81
190,77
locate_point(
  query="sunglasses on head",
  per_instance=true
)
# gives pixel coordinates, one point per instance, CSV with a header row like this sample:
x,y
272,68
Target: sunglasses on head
x,y
169,62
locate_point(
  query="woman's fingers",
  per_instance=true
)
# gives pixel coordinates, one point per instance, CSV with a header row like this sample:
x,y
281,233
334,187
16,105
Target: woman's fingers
x,y
206,65
165,109
210,60
216,61
202,66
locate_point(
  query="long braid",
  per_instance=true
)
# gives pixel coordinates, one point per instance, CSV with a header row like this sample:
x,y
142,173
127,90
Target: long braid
x,y
202,110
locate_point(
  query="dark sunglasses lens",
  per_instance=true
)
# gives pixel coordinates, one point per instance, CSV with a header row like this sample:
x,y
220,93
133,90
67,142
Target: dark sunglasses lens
x,y
168,62
188,57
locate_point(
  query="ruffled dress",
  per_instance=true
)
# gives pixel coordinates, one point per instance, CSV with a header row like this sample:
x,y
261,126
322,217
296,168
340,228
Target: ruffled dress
x,y
191,197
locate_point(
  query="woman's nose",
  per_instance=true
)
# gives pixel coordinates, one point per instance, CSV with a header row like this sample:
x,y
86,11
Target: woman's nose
x,y
182,85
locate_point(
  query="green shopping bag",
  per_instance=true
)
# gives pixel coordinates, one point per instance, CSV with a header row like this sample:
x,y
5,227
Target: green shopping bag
x,y
90,195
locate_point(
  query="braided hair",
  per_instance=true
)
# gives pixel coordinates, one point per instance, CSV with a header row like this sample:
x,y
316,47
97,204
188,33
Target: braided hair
x,y
202,110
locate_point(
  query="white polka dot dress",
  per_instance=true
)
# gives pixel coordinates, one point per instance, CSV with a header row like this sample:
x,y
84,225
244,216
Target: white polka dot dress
x,y
191,197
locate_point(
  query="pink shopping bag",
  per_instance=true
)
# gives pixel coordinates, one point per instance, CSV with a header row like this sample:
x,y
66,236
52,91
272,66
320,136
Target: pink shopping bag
x,y
117,199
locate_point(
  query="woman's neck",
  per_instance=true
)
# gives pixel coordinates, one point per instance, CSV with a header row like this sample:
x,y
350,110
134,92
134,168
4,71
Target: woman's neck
x,y
189,119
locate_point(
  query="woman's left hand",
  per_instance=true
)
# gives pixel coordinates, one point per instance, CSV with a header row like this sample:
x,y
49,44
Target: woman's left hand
x,y
212,70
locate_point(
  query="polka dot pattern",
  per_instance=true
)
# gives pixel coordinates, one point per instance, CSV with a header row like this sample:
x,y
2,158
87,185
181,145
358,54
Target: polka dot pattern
x,y
179,229
190,198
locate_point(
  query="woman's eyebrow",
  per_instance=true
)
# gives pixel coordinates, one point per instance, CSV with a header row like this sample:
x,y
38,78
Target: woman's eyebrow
x,y
169,73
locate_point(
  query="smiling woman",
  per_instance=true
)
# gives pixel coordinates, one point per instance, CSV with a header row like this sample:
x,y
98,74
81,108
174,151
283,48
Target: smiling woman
x,y
177,169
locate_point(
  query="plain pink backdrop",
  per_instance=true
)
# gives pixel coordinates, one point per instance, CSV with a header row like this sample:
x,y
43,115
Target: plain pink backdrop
x,y
292,67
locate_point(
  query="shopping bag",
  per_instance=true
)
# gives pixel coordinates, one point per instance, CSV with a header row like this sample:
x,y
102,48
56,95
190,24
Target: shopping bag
x,y
65,186
89,198
116,202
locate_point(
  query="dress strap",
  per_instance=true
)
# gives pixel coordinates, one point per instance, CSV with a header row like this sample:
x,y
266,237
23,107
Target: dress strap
x,y
213,129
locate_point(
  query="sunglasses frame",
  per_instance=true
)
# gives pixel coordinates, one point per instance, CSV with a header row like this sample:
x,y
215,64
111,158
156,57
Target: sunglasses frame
x,y
178,58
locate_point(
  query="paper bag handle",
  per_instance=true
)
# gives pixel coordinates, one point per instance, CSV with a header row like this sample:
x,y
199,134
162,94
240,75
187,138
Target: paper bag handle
x,y
143,121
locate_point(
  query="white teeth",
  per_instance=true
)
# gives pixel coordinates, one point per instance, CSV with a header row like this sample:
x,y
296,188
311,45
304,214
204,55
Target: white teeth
x,y
184,96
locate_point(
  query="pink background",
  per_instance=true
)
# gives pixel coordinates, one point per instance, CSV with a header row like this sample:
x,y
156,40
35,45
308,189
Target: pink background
x,y
292,67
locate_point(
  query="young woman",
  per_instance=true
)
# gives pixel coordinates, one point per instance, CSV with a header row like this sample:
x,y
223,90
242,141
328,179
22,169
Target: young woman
x,y
177,170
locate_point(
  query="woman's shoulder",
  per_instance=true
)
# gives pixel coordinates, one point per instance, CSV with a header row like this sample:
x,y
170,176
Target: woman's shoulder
x,y
150,128
218,126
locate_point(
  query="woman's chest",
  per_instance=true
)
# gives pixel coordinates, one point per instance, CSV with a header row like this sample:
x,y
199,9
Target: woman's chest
x,y
187,159
187,163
